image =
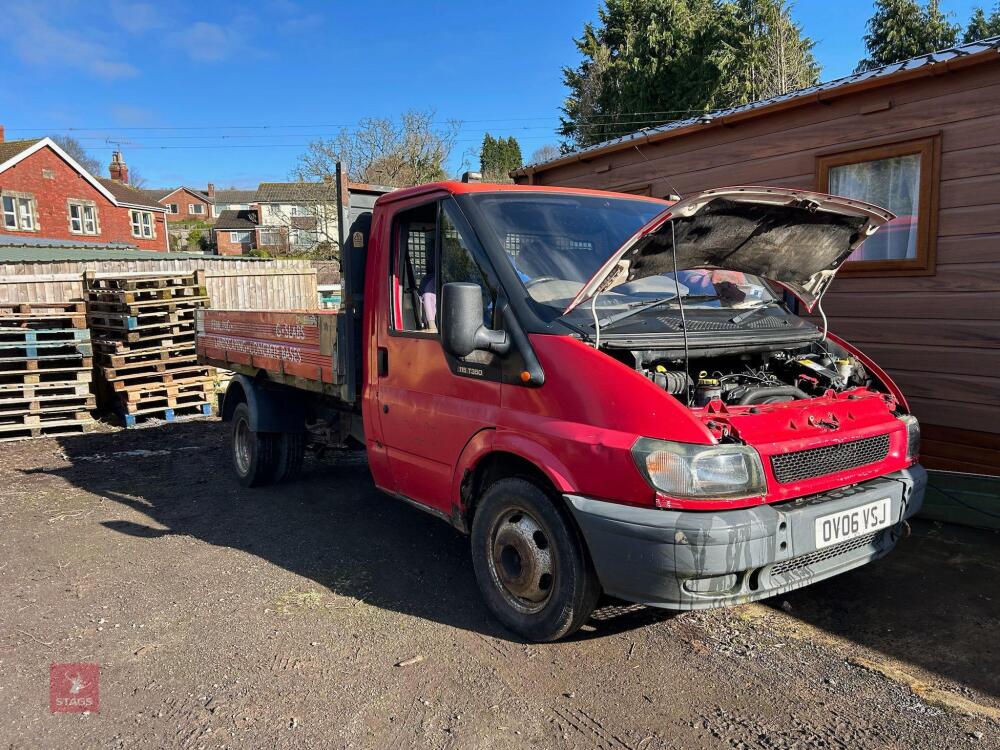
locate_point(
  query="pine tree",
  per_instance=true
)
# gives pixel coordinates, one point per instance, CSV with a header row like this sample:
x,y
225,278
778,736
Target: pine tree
x,y
650,61
982,26
498,157
901,29
771,56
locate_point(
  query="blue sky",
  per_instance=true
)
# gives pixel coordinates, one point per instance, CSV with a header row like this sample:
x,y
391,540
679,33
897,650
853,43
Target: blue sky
x,y
232,92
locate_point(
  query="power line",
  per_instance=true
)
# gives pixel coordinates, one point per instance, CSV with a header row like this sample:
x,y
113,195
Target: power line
x,y
77,129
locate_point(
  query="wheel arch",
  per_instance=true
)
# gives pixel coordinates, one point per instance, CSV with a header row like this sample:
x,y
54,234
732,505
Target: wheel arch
x,y
272,408
490,456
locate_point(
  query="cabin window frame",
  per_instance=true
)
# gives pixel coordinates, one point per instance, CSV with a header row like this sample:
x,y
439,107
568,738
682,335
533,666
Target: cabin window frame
x,y
929,151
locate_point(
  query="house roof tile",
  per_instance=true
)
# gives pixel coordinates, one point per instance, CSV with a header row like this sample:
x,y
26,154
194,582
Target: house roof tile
x,y
10,149
236,220
235,196
296,192
129,195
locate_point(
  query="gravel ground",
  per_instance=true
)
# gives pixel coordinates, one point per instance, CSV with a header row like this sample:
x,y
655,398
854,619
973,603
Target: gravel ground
x,y
224,617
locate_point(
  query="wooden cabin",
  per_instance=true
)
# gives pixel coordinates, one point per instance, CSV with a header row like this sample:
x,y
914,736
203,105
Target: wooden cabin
x,y
921,137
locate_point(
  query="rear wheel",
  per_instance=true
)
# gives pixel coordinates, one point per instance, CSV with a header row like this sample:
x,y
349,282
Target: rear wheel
x,y
254,453
291,449
530,563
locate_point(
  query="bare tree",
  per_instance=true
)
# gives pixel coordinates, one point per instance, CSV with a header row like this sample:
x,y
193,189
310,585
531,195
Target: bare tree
x,y
75,149
409,151
548,152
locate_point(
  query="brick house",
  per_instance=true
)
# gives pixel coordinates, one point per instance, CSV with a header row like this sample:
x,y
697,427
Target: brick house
x,y
235,232
184,203
296,216
232,200
45,193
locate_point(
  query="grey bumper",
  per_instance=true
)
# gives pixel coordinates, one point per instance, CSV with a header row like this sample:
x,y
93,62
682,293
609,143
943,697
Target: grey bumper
x,y
702,559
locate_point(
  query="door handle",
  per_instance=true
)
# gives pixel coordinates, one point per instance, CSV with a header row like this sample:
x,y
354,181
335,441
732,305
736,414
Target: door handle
x,y
383,361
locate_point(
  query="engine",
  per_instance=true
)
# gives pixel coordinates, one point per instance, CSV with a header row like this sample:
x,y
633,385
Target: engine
x,y
757,377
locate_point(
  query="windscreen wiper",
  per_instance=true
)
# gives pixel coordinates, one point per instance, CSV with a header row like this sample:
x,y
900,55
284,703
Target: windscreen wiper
x,y
637,308
751,310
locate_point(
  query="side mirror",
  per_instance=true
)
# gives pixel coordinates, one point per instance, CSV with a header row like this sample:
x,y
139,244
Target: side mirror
x,y
461,325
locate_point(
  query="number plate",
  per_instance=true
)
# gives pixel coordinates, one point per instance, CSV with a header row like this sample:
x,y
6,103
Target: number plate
x,y
848,524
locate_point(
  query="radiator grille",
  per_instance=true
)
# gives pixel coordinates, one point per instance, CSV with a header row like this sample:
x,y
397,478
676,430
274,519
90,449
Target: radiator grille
x,y
821,555
817,462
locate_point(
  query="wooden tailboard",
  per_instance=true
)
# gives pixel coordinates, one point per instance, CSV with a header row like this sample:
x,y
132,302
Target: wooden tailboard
x,y
297,343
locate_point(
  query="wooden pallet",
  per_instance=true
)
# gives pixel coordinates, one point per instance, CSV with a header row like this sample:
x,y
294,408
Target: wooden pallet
x,y
148,367
35,414
125,321
145,341
139,380
144,356
11,334
144,281
40,309
156,296
147,306
166,413
31,391
151,391
81,374
77,320
10,350
51,429
9,365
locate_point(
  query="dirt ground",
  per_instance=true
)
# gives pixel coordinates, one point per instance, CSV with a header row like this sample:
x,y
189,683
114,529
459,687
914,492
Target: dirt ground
x,y
224,617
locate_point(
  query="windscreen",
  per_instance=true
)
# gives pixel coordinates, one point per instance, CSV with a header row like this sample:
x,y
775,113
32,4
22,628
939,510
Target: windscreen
x,y
556,242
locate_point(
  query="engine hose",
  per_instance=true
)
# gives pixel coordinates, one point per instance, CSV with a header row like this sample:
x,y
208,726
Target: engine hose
x,y
673,382
759,394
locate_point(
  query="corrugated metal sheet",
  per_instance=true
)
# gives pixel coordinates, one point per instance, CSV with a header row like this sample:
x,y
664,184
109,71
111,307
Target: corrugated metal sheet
x,y
914,63
15,249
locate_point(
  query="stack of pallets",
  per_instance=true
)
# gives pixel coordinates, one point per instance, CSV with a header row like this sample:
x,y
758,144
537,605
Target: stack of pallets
x,y
45,370
144,339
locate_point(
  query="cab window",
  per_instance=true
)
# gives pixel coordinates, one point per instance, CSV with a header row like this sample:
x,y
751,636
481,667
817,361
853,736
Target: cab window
x,y
430,251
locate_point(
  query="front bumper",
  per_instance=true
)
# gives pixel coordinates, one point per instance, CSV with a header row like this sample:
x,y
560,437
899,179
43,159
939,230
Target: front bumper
x,y
701,559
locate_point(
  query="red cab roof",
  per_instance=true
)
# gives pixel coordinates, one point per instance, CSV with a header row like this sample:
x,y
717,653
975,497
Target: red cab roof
x,y
457,188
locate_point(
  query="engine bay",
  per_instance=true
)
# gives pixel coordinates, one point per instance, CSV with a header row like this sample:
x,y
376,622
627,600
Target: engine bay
x,y
756,377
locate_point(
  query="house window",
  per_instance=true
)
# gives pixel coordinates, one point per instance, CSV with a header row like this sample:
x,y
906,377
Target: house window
x,y
195,208
173,208
142,224
19,212
272,237
239,237
82,217
901,177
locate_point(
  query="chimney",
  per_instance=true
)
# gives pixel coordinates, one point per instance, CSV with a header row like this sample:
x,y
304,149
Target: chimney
x,y
211,190
1,133
118,169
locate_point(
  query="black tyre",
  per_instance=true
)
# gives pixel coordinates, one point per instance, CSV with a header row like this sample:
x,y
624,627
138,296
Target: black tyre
x,y
254,453
291,450
531,564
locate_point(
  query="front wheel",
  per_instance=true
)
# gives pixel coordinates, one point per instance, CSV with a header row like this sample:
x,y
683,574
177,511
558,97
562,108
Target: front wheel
x,y
255,454
531,565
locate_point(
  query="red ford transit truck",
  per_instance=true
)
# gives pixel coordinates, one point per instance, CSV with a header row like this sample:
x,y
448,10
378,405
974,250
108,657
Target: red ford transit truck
x,y
607,393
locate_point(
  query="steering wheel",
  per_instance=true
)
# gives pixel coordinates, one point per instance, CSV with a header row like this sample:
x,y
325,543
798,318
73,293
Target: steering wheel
x,y
539,280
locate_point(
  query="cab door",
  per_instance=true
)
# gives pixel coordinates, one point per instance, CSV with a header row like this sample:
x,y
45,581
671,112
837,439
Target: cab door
x,y
430,405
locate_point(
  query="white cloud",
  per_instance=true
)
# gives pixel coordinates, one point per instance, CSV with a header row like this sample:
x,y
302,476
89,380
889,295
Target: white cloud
x,y
37,42
137,18
206,42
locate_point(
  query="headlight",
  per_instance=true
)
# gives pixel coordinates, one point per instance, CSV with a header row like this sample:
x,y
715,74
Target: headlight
x,y
700,471
912,436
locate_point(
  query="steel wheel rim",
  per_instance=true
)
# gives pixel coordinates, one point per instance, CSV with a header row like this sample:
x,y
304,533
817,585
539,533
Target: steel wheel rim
x,y
241,447
522,560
